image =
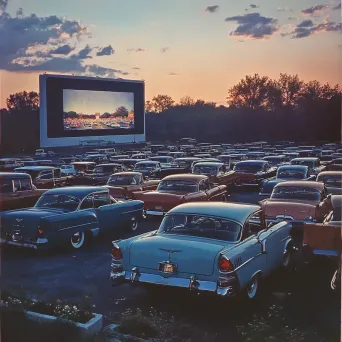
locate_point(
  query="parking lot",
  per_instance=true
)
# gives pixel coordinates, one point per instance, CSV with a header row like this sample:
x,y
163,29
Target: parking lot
x,y
301,299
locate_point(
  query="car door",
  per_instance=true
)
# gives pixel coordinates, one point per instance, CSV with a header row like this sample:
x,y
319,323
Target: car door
x,y
45,180
26,195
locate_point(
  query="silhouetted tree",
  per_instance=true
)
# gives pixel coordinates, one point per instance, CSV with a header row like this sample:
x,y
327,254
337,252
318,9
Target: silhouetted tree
x,y
23,101
290,88
148,107
121,111
162,102
186,101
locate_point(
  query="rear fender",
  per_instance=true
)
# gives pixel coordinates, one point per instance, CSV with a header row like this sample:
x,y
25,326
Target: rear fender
x,y
139,195
59,228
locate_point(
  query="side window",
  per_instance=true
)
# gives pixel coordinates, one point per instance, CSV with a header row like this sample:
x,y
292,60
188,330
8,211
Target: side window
x,y
101,200
252,226
87,203
57,173
6,186
25,185
46,175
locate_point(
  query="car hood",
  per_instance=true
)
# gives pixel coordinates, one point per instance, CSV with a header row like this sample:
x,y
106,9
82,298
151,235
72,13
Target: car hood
x,y
294,208
192,255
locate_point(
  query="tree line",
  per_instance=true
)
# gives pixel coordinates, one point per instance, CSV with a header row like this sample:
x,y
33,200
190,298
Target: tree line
x,y
258,108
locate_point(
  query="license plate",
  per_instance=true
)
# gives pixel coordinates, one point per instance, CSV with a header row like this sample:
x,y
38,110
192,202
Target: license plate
x,y
167,267
16,237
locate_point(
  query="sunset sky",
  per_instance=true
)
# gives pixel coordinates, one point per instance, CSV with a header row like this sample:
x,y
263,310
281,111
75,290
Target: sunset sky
x,y
91,102
179,47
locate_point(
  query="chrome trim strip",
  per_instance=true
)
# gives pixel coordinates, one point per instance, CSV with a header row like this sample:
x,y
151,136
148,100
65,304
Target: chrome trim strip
x,y
79,225
131,211
246,262
286,238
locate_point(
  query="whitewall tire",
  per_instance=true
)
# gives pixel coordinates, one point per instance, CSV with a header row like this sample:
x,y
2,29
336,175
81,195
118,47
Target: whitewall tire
x,y
77,240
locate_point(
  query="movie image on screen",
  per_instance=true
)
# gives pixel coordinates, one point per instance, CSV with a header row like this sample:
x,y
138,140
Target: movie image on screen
x,y
97,110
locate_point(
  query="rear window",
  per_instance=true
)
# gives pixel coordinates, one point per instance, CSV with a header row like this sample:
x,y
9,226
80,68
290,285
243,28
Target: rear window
x,y
202,226
178,185
332,180
296,192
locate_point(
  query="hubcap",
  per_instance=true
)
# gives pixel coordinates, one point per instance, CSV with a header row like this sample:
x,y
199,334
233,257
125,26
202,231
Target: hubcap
x,y
76,238
252,288
134,224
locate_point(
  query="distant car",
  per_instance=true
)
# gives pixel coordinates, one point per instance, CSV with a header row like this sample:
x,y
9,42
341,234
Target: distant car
x,y
17,191
278,160
312,163
332,180
285,173
217,173
253,172
334,165
298,202
165,161
9,164
68,170
219,248
148,168
68,216
176,189
121,185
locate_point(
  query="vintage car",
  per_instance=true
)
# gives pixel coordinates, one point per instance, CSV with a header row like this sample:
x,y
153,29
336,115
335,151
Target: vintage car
x,y
68,170
217,173
332,181
46,177
325,238
123,184
285,173
277,160
225,158
176,189
84,167
165,161
186,162
99,175
298,201
148,168
253,172
9,164
312,163
129,163
17,191
220,248
334,165
68,216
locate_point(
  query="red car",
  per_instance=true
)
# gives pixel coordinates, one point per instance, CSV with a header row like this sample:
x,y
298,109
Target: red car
x,y
176,189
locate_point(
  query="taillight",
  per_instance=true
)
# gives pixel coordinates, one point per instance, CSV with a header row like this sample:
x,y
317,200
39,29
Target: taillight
x,y
40,232
116,252
224,264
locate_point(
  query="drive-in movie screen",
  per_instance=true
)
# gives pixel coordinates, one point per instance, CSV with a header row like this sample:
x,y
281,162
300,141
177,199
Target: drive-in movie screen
x,y
97,110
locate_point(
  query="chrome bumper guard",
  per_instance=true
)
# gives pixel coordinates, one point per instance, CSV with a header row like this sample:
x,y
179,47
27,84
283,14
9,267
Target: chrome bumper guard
x,y
154,213
227,286
39,244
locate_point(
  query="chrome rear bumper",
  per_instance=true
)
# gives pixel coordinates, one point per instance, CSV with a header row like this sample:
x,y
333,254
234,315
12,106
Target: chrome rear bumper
x,y
228,287
39,244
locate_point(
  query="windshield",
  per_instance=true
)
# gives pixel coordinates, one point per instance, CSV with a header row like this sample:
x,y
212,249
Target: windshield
x,y
332,180
124,180
296,192
194,225
145,166
309,163
252,168
178,185
290,174
205,169
59,201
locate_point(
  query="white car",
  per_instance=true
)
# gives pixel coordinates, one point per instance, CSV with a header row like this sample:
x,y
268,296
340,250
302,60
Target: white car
x,y
68,170
40,153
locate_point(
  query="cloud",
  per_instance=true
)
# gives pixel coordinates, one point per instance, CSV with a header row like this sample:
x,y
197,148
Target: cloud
x,y
101,71
253,25
106,51
254,6
83,54
62,50
173,74
307,28
164,49
337,7
313,9
136,50
212,9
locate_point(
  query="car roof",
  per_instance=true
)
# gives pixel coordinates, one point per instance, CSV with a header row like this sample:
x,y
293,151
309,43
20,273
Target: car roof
x,y
147,162
305,158
234,211
293,167
188,177
76,191
307,184
13,175
35,168
128,173
252,162
209,163
330,173
109,164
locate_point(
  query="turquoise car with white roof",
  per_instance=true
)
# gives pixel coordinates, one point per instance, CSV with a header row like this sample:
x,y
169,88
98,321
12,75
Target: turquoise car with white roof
x,y
217,247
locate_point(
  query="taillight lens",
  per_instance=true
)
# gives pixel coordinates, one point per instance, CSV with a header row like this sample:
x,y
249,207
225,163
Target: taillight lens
x,y
224,264
40,232
116,252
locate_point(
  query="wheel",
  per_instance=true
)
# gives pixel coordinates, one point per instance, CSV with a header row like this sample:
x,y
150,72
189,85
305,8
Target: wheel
x,y
252,289
286,258
133,225
77,240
